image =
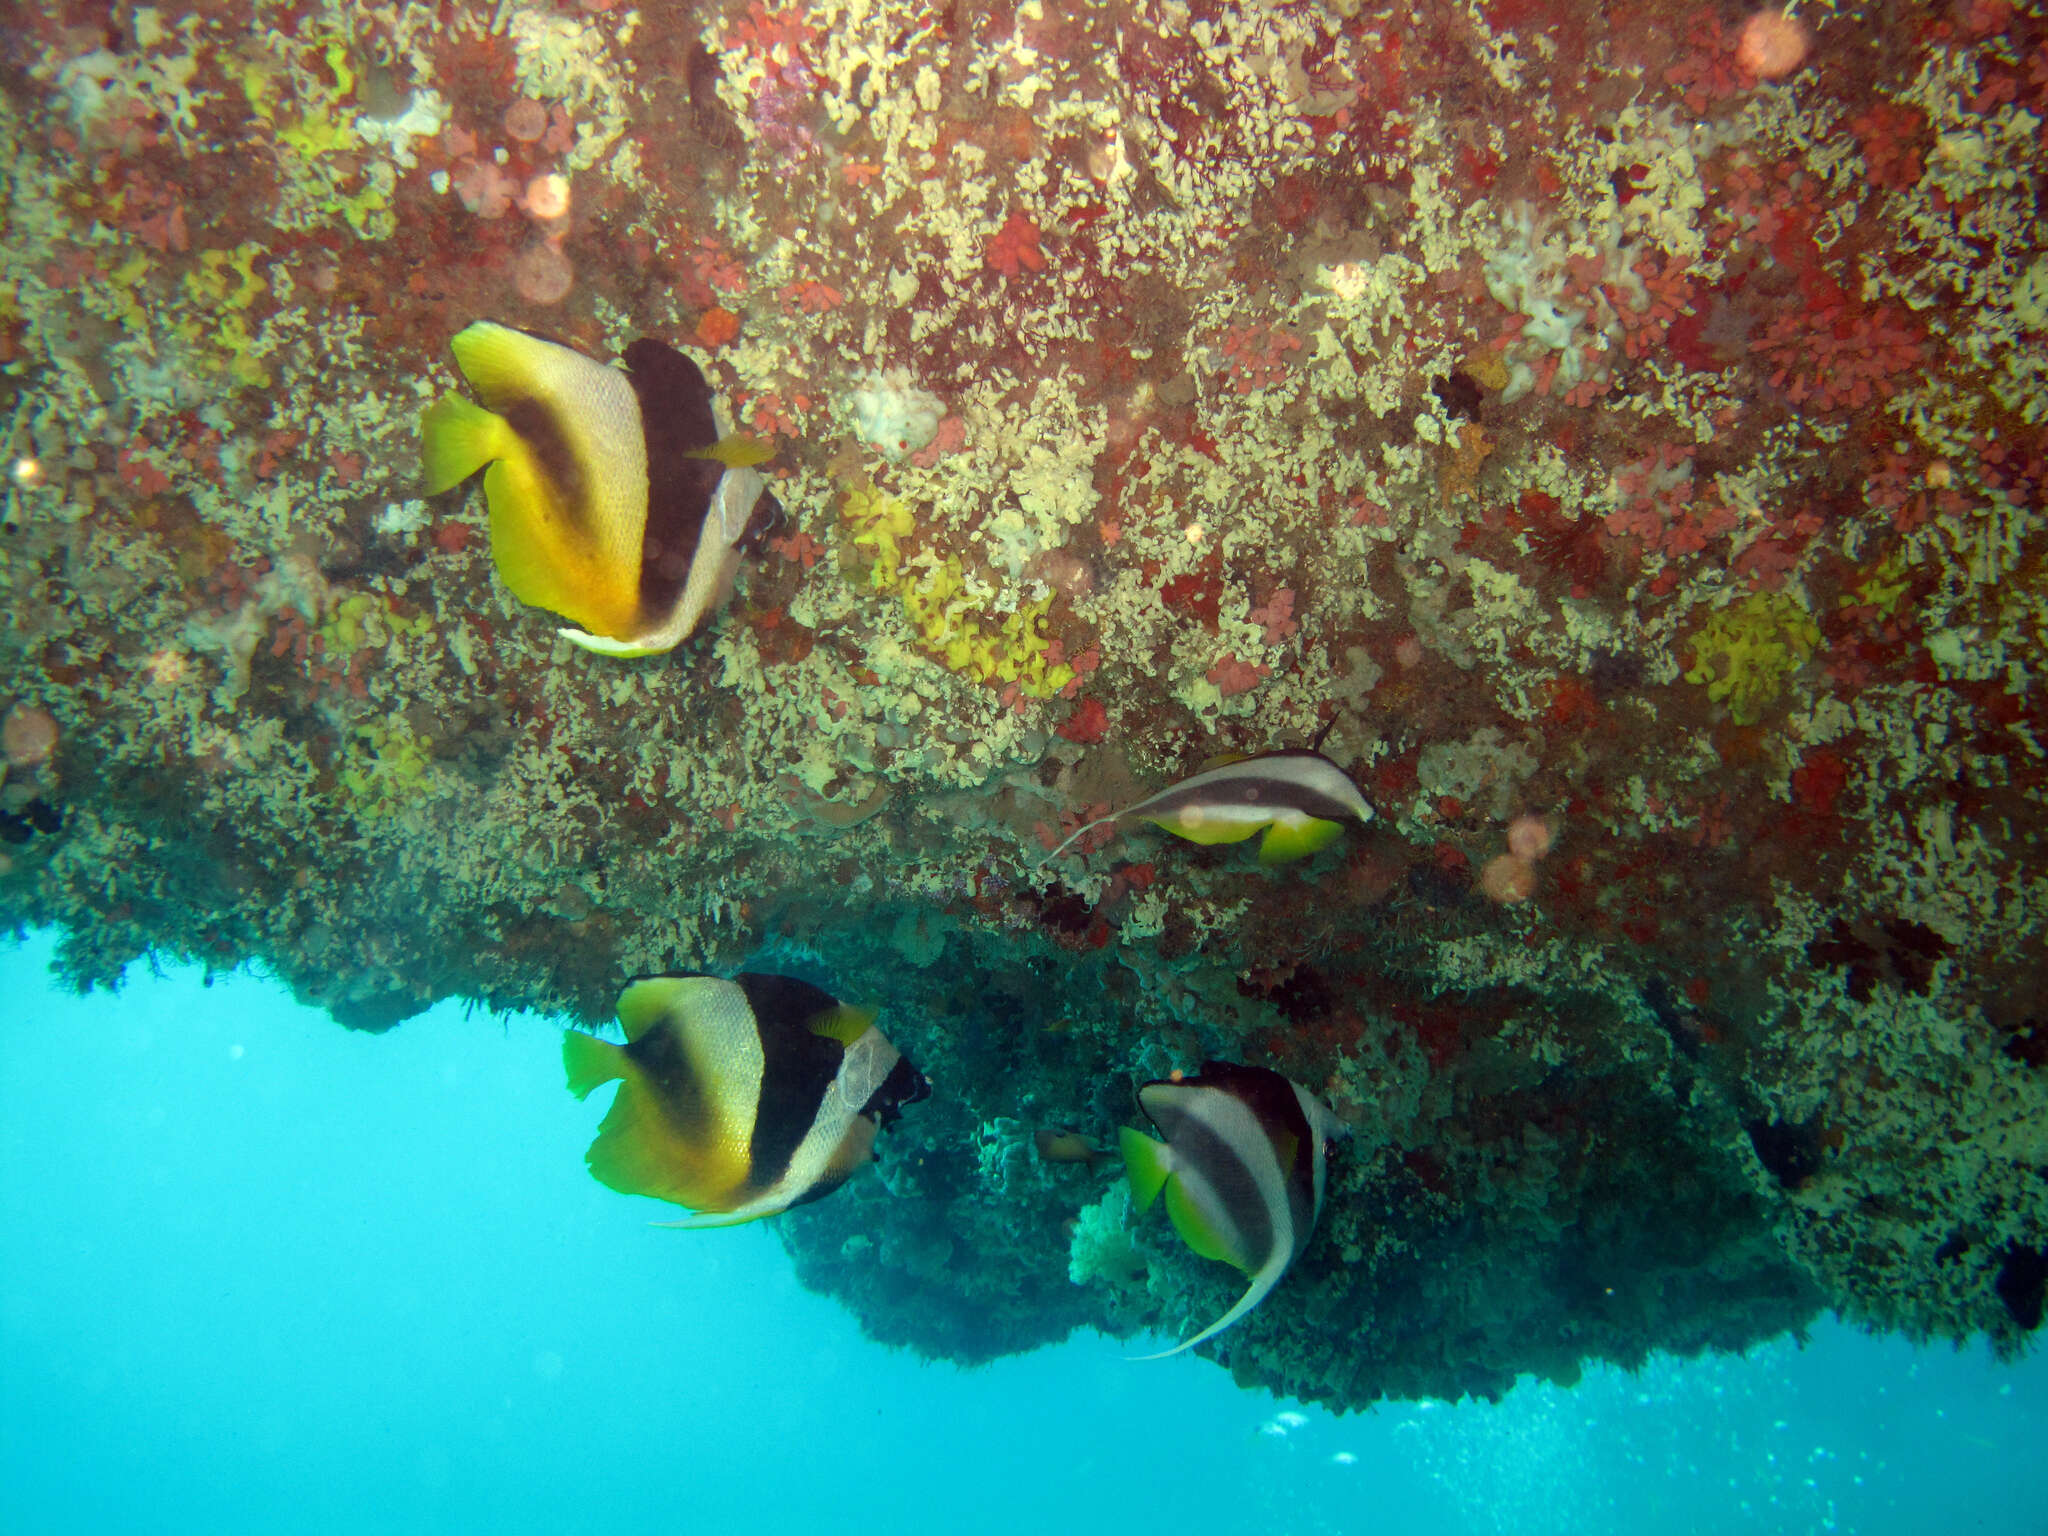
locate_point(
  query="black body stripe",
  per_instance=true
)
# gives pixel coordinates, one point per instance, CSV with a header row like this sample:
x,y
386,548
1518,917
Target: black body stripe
x,y
677,425
1272,1101
678,1090
797,1068
536,426
1230,1176
783,997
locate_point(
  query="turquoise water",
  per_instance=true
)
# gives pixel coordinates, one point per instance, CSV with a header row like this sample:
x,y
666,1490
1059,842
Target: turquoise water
x,y
261,1274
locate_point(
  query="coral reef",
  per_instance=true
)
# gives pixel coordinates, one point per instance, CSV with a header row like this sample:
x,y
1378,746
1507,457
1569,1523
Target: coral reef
x,y
1557,422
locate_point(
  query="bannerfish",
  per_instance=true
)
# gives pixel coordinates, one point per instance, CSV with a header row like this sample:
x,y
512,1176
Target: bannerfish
x,y
615,500
1299,797
1242,1168
740,1098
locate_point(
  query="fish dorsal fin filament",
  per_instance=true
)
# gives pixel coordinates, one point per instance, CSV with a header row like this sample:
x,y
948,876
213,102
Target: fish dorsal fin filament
x,y
1260,1288
1081,832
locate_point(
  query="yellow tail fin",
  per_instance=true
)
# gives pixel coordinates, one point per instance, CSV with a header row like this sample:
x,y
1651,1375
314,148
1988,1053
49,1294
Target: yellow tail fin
x,y
458,437
590,1062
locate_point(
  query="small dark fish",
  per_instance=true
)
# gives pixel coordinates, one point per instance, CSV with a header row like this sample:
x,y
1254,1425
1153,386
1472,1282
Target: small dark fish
x,y
1057,1144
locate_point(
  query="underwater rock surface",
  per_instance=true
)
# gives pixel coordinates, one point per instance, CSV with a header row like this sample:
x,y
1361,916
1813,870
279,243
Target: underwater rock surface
x,y
1630,467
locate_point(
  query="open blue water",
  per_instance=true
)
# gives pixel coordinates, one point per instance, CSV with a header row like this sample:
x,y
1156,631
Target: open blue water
x,y
259,1274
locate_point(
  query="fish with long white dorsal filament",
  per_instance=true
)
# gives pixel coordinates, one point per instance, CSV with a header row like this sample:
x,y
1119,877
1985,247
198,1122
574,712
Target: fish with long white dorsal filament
x,y
1241,1169
1297,797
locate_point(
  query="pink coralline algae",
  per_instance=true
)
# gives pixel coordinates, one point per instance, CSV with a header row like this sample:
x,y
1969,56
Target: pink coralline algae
x,y
1833,354
809,295
762,31
1259,355
716,267
1711,70
1277,615
1232,676
951,437
1088,724
1911,494
1766,562
1657,505
484,187
1891,137
1667,297
1014,249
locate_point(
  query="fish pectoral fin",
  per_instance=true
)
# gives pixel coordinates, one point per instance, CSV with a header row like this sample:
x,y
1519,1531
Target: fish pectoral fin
x,y
1286,841
1195,1228
1147,1163
1260,1288
458,437
590,1062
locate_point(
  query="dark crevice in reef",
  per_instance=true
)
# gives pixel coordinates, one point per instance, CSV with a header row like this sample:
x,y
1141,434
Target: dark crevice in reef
x,y
2022,1283
1792,1153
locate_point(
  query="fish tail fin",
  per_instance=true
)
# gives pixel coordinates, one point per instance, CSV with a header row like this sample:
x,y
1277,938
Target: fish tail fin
x,y
590,1062
1284,843
458,437
1261,1287
1147,1163
1100,821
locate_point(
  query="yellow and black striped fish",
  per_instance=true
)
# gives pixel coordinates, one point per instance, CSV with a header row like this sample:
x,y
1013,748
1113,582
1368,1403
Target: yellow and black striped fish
x,y
1242,1169
740,1098
1298,798
614,499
